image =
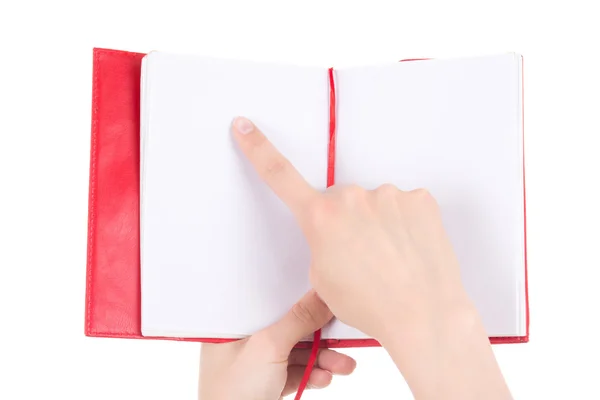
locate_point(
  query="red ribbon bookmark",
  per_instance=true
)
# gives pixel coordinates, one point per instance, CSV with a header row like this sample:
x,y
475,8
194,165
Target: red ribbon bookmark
x,y
332,120
330,180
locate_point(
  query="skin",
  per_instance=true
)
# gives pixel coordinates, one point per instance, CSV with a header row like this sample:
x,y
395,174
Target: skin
x,y
382,263
265,365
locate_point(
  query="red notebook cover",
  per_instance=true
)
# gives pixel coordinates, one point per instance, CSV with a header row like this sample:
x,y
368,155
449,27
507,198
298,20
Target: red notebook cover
x,y
113,253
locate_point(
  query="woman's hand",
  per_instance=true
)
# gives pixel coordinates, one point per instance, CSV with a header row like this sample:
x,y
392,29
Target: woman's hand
x,y
376,254
383,263
266,366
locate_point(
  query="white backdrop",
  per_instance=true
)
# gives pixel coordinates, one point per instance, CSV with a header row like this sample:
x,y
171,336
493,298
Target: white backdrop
x,y
45,101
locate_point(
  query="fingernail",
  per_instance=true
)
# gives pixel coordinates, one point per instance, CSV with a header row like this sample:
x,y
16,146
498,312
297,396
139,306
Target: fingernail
x,y
243,125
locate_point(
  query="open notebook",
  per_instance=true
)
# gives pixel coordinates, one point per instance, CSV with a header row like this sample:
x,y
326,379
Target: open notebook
x,y
222,257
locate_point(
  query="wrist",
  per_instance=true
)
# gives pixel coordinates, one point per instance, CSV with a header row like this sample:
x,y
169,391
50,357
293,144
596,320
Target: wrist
x,y
446,314
446,354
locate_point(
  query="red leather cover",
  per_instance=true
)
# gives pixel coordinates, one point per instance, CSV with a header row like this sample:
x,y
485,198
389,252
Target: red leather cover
x,y
113,254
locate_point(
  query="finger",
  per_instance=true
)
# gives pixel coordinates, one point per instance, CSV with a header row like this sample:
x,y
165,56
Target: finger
x,y
272,166
329,360
306,316
318,379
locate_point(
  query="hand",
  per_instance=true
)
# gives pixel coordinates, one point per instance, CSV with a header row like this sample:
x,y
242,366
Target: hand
x,y
382,262
375,254
265,366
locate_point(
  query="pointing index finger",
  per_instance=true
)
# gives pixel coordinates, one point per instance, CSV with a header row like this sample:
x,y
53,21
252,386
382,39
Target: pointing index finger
x,y
273,168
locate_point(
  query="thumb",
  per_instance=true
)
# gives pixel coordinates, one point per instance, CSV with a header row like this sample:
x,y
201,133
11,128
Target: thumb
x,y
306,316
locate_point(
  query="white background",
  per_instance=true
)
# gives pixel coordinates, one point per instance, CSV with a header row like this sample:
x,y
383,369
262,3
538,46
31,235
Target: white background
x,y
45,93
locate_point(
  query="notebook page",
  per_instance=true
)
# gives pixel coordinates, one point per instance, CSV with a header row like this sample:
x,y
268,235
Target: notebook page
x,y
454,127
221,255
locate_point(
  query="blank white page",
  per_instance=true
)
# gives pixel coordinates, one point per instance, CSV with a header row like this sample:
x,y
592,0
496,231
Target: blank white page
x,y
221,255
455,128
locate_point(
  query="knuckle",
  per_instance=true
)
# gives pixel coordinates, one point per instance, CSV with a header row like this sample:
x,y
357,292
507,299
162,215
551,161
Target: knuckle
x,y
421,193
275,167
354,190
257,142
266,160
303,313
353,193
387,190
424,197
